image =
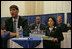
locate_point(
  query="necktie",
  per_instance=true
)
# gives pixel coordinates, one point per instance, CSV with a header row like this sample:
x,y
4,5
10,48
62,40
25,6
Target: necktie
x,y
37,26
14,26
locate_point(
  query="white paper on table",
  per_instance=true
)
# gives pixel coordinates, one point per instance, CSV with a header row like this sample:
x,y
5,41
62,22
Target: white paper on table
x,y
47,38
19,39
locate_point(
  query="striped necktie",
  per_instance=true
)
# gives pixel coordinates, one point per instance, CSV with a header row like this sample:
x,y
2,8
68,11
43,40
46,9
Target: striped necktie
x,y
14,26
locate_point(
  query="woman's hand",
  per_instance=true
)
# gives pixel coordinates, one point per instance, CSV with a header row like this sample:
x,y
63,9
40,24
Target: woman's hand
x,y
55,40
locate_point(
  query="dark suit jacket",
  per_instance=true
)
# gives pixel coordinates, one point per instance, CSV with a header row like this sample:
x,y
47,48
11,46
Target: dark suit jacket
x,y
63,27
55,33
42,26
21,22
9,27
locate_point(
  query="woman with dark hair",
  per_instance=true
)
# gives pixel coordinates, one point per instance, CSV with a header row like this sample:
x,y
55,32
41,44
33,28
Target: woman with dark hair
x,y
53,20
53,31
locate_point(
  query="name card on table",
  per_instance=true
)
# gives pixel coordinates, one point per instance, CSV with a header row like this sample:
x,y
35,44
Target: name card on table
x,y
37,34
19,39
47,38
41,35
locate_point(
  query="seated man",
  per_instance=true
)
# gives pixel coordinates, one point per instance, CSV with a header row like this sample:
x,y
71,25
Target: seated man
x,y
63,26
15,22
40,27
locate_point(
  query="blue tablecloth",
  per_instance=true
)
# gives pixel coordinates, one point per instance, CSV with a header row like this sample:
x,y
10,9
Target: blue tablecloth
x,y
34,41
30,42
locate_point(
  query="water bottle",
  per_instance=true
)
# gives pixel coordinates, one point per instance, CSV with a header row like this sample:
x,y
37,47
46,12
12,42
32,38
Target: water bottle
x,y
21,32
17,32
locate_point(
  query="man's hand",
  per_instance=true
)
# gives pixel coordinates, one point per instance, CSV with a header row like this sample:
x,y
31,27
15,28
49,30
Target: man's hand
x,y
12,34
68,25
33,30
3,32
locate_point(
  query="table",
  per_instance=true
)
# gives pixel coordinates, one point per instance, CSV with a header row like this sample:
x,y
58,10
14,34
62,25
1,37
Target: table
x,y
26,42
66,43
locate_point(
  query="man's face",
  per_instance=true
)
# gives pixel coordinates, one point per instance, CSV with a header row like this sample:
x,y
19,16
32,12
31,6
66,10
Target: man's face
x,y
13,12
37,20
59,18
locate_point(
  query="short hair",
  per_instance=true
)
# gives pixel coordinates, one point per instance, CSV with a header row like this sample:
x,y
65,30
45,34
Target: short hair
x,y
14,6
53,20
37,17
59,15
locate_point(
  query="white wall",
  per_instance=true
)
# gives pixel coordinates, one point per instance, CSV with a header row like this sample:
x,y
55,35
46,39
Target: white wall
x,y
5,7
57,7
48,7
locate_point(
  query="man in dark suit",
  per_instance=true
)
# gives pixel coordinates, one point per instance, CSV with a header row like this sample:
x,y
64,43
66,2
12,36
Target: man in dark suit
x,y
9,24
21,22
15,22
63,26
40,27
